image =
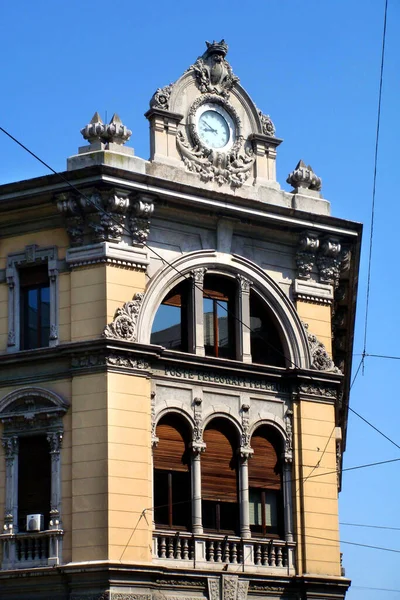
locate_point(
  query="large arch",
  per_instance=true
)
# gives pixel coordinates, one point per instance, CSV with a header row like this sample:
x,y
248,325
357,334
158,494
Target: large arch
x,y
294,337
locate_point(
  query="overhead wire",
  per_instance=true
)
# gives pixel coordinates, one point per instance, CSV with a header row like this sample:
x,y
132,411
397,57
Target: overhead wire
x,y
374,179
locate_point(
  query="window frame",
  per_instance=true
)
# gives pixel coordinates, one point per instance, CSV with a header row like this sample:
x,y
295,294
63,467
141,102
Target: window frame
x,y
32,256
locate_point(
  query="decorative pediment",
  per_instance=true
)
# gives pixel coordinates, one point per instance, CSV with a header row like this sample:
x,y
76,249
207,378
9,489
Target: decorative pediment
x,y
220,134
32,408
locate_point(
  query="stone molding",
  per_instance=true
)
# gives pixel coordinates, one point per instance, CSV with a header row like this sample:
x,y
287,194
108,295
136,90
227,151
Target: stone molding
x,y
113,133
227,587
311,291
121,255
123,327
213,74
30,257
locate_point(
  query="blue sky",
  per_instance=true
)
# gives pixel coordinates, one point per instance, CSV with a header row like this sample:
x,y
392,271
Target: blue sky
x,y
313,65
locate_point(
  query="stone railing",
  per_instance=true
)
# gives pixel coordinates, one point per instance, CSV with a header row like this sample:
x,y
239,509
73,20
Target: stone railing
x,y
25,550
219,552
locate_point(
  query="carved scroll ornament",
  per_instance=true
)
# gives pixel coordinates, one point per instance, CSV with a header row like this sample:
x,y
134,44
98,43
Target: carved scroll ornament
x,y
124,324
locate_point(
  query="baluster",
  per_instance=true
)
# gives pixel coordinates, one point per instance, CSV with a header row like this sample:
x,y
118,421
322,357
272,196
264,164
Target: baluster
x,y
279,556
210,551
19,551
265,556
36,544
285,556
178,553
226,552
272,555
241,548
219,552
234,552
191,549
156,546
185,554
170,545
257,556
29,553
163,547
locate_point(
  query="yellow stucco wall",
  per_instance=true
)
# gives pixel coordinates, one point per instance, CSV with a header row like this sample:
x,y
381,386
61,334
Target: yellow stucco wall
x,y
318,317
316,491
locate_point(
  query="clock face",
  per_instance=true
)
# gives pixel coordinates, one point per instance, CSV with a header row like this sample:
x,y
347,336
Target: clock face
x,y
215,127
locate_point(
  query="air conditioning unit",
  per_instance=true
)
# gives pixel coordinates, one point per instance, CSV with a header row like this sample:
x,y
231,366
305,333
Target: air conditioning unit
x,y
34,522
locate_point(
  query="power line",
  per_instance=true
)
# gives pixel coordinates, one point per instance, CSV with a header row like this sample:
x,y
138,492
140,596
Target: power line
x,y
374,179
373,427
370,526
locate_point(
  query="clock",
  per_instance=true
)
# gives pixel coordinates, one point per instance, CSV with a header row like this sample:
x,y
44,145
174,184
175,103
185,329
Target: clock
x,y
215,127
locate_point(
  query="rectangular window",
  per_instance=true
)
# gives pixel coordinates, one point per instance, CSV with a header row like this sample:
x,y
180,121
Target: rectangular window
x,y
34,307
172,499
263,509
34,479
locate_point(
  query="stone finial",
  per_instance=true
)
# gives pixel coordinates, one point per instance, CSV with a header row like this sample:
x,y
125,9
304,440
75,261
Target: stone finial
x,y
115,132
304,177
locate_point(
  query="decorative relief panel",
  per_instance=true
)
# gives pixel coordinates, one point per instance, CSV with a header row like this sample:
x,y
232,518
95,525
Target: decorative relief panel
x,y
320,359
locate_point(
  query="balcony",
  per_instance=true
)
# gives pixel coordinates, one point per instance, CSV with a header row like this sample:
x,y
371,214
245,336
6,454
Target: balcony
x,y
27,550
217,553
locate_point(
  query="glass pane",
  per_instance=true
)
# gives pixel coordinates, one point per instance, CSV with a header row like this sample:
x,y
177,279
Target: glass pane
x,y
166,329
255,507
45,316
271,512
31,334
223,331
208,305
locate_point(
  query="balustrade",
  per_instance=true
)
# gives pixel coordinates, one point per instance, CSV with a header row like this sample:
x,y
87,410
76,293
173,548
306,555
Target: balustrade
x,y
25,550
217,551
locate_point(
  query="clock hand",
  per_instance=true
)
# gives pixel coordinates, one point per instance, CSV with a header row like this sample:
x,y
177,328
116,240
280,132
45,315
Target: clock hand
x,y
209,127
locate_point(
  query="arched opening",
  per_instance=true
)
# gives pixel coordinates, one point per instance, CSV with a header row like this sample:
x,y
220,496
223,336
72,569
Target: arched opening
x,y
265,483
219,481
171,323
266,345
172,486
219,309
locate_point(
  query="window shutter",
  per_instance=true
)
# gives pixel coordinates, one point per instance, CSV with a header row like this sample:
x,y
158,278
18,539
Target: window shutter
x,y
218,465
170,453
264,465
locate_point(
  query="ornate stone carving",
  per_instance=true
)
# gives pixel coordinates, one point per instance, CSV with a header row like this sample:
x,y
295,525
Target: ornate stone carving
x,y
242,590
123,326
315,390
303,177
140,219
180,582
288,452
245,284
160,98
116,360
198,444
87,360
229,587
95,216
245,449
198,275
232,168
267,125
55,441
115,132
305,257
320,359
214,588
10,445
154,438
212,72
329,261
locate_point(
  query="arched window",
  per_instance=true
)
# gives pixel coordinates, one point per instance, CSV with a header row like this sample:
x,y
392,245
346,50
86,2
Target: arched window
x,y
265,483
172,487
219,308
219,483
171,323
266,346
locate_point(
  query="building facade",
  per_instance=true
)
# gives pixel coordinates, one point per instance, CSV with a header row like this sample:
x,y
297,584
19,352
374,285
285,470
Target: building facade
x,y
176,340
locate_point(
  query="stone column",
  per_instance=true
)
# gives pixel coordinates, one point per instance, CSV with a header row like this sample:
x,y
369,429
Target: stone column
x,y
243,324
287,477
55,441
244,454
198,313
197,524
53,280
10,445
